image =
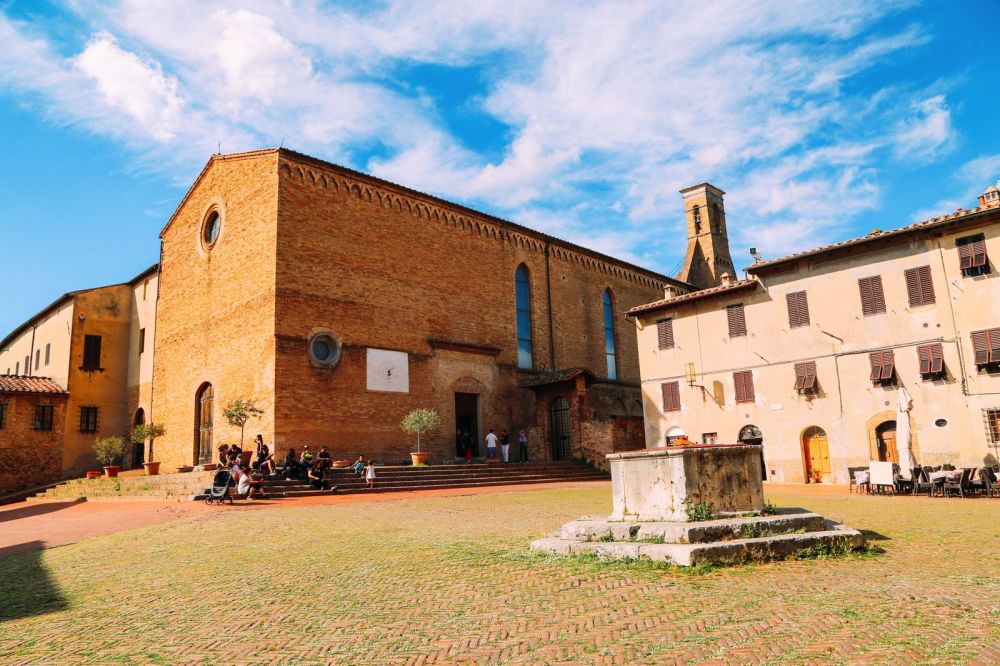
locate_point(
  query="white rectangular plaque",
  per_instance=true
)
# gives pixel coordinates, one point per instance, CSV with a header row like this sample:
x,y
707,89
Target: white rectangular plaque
x,y
388,371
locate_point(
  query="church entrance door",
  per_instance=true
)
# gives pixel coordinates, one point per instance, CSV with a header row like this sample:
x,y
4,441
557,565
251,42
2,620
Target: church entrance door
x,y
466,420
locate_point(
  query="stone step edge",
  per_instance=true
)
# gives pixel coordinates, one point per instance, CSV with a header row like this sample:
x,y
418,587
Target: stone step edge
x,y
689,554
592,528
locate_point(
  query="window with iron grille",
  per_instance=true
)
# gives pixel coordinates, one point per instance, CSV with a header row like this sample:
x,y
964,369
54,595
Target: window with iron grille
x,y
919,286
872,296
91,352
88,419
991,419
986,347
665,333
671,396
805,376
737,320
43,417
972,258
798,309
931,360
743,384
709,438
3,415
883,365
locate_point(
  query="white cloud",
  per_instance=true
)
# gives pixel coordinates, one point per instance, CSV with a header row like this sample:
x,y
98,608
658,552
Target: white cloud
x,y
610,107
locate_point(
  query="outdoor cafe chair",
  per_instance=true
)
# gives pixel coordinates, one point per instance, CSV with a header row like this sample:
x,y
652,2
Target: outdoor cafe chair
x,y
922,484
990,486
962,486
853,480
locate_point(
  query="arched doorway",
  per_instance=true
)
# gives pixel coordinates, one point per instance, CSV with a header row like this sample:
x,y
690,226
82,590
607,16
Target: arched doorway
x,y
138,448
815,453
559,424
673,434
885,442
203,424
751,434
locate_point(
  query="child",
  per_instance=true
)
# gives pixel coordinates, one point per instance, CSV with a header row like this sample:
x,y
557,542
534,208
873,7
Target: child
x,y
370,474
359,465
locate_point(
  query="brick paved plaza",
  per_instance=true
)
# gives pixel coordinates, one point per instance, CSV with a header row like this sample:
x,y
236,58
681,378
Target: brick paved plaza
x,y
450,580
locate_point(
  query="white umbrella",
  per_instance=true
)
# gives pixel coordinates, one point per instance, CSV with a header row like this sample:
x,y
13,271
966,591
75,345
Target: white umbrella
x,y
906,462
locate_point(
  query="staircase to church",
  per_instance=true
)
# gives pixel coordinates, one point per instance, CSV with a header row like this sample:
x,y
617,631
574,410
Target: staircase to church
x,y
436,477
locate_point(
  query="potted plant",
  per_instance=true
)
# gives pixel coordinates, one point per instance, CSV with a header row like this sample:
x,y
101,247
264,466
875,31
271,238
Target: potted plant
x,y
149,431
240,411
420,421
109,450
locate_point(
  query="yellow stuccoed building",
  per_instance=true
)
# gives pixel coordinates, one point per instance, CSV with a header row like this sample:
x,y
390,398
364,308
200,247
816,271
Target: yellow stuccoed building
x,y
811,353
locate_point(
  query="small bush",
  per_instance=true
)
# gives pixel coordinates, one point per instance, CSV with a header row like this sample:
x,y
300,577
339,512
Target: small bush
x,y
109,449
698,512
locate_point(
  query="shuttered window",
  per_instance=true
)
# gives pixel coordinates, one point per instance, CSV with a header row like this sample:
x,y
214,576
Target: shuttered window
x,y
737,320
919,286
798,309
743,383
665,333
972,257
671,396
872,297
91,352
805,376
986,346
931,358
883,365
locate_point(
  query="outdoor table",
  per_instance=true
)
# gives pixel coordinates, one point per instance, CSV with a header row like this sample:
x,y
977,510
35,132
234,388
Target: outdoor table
x,y
945,475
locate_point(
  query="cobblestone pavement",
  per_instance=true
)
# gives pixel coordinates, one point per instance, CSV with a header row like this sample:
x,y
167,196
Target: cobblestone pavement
x,y
450,580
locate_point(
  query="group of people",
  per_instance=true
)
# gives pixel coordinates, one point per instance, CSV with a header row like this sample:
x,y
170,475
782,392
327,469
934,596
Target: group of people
x,y
493,442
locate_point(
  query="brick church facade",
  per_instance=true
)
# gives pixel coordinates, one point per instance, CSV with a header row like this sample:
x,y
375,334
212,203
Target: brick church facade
x,y
340,302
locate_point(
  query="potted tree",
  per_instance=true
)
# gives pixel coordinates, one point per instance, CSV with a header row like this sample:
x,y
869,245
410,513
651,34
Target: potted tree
x,y
420,421
109,450
149,431
237,414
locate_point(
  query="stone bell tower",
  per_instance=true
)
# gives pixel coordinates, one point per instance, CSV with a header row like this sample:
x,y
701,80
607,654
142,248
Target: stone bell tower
x,y
707,258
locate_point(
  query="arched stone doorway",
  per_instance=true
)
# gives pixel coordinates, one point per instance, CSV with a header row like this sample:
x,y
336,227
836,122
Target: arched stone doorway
x,y
885,442
138,448
203,402
815,454
751,434
559,424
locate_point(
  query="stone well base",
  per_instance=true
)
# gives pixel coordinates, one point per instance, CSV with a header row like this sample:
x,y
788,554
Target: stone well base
x,y
727,540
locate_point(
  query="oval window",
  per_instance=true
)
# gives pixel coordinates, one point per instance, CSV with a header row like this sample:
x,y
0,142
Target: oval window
x,y
324,350
213,223
940,423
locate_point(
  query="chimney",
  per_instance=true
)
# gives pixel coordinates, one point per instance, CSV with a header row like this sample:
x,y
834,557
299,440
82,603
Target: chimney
x,y
708,242
726,279
669,291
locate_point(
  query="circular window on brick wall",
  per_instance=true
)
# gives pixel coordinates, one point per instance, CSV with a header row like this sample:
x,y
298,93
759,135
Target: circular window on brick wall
x,y
211,228
324,350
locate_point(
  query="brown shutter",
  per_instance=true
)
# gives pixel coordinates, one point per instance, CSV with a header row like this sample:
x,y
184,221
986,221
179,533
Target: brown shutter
x,y
800,376
743,383
810,380
878,298
913,287
865,287
979,252
875,358
964,255
924,356
737,320
993,338
872,297
798,309
937,357
919,286
665,333
981,347
888,364
671,396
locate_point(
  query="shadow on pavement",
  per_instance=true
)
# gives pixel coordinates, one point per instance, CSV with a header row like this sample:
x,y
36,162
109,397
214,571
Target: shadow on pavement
x,y
39,509
872,535
28,589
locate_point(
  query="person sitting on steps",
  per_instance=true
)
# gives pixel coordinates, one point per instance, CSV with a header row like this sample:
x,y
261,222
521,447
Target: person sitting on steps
x,y
249,487
359,465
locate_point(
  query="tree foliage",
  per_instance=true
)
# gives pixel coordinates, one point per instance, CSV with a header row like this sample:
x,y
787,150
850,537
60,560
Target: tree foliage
x,y
239,412
109,449
420,421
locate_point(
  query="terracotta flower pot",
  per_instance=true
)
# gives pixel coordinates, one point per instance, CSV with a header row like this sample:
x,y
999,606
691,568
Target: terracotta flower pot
x,y
152,468
111,471
418,458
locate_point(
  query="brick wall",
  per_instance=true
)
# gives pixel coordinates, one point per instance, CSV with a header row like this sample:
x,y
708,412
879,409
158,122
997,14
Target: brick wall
x,y
30,457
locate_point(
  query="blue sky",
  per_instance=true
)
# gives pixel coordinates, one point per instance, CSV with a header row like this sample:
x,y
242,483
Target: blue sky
x,y
820,120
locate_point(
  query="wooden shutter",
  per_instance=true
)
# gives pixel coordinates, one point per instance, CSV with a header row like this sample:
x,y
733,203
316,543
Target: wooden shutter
x,y
964,253
979,252
981,347
737,320
805,375
888,364
800,376
937,357
743,384
875,358
872,297
671,396
924,357
931,358
919,286
665,333
972,251
798,309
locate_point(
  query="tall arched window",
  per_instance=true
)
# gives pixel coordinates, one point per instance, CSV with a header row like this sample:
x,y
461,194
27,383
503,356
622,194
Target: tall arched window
x,y
203,423
609,336
523,297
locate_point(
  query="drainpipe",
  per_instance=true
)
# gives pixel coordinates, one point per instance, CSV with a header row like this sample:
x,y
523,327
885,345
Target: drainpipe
x,y
31,355
548,291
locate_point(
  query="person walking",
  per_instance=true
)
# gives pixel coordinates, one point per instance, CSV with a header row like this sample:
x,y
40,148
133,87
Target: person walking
x,y
491,445
522,445
467,446
505,445
370,474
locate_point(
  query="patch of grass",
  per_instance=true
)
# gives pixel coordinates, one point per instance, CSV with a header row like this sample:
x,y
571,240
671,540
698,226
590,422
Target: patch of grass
x,y
605,538
655,538
698,512
769,509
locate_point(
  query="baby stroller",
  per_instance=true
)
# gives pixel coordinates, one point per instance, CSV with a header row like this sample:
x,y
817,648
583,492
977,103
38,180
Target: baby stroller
x,y
221,484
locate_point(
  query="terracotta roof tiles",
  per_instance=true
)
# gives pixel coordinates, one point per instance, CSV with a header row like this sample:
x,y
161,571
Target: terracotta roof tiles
x,y
24,384
738,285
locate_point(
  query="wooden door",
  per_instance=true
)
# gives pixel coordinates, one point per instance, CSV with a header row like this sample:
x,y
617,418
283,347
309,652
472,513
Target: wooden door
x,y
817,452
889,441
